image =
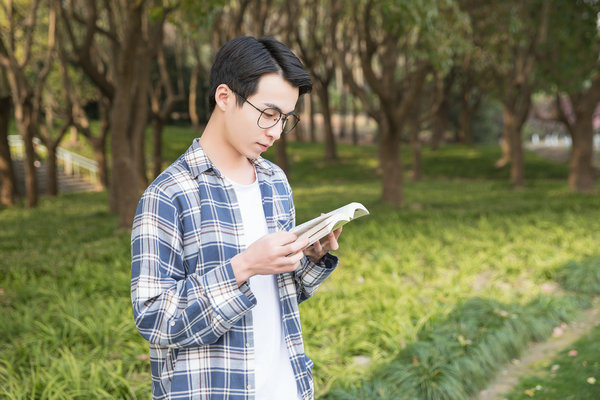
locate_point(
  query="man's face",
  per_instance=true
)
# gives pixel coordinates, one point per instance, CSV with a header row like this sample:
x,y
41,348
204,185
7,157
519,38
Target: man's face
x,y
243,132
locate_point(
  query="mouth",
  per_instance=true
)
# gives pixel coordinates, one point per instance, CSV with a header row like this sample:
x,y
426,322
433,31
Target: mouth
x,y
263,147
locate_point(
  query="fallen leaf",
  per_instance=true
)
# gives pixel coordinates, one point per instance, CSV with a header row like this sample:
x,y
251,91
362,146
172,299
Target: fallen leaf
x,y
530,392
573,353
557,332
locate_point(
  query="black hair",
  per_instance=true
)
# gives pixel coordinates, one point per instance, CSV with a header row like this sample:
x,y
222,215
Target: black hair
x,y
242,61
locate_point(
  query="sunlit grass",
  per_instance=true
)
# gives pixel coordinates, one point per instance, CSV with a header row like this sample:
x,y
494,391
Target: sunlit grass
x,y
425,295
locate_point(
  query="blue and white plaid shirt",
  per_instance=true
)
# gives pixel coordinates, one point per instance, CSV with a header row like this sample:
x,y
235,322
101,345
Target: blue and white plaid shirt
x,y
186,302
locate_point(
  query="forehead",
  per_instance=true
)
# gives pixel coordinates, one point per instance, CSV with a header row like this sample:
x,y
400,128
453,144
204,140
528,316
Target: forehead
x,y
274,90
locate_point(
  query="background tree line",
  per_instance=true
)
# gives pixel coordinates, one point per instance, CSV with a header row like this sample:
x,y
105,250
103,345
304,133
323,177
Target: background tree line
x,y
414,67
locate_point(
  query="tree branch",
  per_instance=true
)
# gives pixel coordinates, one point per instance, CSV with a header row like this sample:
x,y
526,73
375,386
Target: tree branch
x,y
30,28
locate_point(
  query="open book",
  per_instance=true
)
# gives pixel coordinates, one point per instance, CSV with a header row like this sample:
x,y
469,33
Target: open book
x,y
318,228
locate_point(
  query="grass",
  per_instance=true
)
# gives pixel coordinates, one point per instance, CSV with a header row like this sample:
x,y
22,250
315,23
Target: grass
x,y
429,298
573,375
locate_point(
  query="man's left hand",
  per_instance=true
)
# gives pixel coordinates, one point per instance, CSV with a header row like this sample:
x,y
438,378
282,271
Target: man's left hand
x,y
317,250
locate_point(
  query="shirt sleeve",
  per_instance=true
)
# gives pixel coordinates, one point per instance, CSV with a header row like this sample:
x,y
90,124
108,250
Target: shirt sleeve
x,y
170,306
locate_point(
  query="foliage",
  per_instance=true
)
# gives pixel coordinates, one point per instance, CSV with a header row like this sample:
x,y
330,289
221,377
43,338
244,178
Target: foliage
x,y
461,270
571,52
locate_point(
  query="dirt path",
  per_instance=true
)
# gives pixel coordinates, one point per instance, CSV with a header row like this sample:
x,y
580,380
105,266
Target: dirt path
x,y
540,352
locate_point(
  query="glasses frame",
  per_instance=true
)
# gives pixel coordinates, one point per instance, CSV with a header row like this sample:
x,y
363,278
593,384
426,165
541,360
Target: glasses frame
x,y
283,117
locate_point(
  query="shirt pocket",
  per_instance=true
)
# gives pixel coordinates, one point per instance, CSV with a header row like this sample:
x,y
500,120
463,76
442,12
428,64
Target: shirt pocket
x,y
168,369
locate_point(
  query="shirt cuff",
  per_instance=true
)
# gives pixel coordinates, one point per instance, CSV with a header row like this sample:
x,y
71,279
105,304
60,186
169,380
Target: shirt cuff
x,y
328,261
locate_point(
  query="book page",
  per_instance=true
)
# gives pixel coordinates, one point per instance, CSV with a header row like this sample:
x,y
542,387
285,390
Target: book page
x,y
319,227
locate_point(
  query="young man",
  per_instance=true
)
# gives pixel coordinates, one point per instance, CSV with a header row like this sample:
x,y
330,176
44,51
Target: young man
x,y
216,277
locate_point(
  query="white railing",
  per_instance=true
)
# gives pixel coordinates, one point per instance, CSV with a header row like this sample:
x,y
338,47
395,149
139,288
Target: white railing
x,y
73,164
555,140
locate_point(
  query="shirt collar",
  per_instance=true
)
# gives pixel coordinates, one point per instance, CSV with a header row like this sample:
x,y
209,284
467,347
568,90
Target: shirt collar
x,y
199,163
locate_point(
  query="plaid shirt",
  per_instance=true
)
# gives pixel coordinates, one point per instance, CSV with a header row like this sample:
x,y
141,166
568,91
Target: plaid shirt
x,y
186,302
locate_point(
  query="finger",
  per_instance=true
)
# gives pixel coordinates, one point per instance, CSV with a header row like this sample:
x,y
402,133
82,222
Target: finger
x,y
333,244
296,246
285,237
338,232
291,260
317,247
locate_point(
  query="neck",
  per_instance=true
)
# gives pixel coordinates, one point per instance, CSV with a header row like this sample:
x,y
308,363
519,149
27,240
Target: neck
x,y
230,162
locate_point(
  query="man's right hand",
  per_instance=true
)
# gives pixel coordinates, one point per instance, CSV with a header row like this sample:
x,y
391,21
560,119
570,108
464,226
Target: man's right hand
x,y
274,253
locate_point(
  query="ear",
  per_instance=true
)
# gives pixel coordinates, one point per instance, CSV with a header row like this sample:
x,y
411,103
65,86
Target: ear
x,y
224,97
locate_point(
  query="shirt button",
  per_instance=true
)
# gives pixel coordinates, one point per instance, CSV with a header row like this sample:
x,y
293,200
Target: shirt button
x,y
247,344
249,387
172,323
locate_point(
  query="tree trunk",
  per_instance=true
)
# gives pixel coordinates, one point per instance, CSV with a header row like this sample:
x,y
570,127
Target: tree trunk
x,y
52,171
354,122
127,144
311,115
465,118
281,158
581,172
8,182
581,129
469,103
157,129
514,116
31,183
440,117
439,124
343,112
99,145
504,146
330,150
24,118
415,147
125,188
193,95
139,122
390,163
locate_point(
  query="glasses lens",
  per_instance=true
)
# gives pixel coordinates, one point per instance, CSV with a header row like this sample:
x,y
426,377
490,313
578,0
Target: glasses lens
x,y
268,118
290,123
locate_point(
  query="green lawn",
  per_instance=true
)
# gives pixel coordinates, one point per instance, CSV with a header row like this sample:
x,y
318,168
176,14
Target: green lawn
x,y
428,300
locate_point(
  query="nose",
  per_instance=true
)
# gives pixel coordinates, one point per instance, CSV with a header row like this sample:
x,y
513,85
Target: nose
x,y
275,130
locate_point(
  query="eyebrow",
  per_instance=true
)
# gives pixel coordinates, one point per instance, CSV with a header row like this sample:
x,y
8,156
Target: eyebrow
x,y
275,106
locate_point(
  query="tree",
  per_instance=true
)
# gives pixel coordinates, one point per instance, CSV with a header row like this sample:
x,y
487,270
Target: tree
x,y
439,120
513,54
164,98
397,44
51,140
27,68
8,182
78,91
571,72
313,31
126,36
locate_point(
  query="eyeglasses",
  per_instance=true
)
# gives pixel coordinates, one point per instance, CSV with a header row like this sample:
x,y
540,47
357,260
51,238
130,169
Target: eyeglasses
x,y
269,117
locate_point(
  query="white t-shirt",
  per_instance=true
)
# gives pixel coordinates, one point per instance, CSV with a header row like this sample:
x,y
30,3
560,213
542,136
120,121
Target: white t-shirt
x,y
274,377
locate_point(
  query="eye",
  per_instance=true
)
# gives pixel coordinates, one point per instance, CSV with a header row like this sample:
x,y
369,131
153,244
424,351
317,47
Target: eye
x,y
272,114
